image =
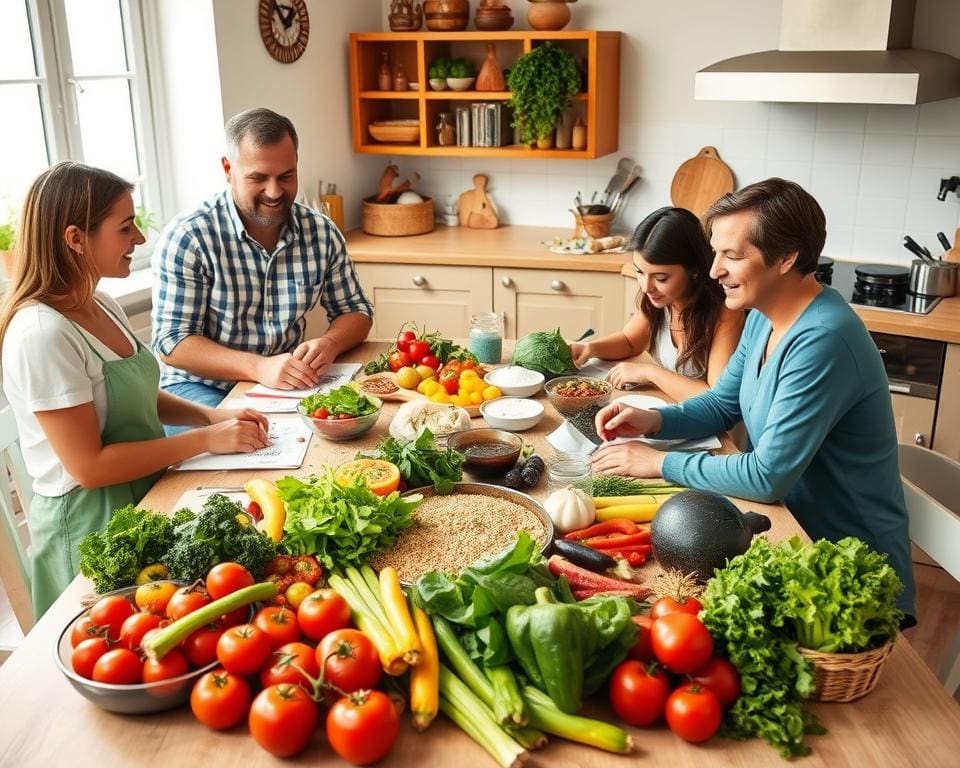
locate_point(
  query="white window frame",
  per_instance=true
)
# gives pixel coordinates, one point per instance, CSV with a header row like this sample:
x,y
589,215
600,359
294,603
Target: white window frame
x,y
58,104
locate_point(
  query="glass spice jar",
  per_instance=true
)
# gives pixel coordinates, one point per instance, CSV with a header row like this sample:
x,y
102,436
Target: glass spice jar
x,y
446,130
570,469
485,339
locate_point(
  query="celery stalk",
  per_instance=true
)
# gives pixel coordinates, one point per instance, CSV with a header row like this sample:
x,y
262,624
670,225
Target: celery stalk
x,y
595,733
483,734
507,702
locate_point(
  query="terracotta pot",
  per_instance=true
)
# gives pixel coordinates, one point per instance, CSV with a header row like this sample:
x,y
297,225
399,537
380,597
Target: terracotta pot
x,y
546,142
551,15
446,15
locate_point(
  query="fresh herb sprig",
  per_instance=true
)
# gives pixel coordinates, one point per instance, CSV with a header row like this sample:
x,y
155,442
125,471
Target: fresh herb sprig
x,y
421,462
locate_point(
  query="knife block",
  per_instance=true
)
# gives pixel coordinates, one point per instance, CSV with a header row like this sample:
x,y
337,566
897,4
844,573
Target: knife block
x,y
954,253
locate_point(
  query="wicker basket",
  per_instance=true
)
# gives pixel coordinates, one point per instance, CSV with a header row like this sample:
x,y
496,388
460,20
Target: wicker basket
x,y
395,220
845,676
592,225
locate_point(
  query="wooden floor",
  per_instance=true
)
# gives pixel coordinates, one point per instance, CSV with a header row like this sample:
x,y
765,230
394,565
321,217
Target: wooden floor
x,y
938,609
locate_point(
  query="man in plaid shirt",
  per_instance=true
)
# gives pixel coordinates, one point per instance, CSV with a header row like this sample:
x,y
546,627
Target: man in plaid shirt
x,y
235,278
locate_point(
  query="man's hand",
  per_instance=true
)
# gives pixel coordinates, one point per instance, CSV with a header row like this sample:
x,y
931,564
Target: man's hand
x,y
630,373
317,353
285,372
633,458
619,420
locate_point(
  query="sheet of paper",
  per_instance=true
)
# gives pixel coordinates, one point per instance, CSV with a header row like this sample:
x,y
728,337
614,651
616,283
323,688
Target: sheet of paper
x,y
195,497
333,376
289,439
262,404
597,368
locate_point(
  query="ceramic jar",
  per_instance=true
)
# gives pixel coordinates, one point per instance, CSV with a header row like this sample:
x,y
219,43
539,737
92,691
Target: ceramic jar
x,y
446,15
548,14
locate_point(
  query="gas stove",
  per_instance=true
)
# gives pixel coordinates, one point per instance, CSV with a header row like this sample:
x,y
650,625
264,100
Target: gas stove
x,y
878,286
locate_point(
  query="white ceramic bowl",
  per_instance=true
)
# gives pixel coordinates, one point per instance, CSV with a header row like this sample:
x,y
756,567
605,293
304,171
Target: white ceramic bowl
x,y
461,83
438,83
513,414
413,86
498,376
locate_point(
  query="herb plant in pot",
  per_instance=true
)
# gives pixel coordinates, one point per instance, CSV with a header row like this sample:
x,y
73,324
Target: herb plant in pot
x,y
541,83
8,238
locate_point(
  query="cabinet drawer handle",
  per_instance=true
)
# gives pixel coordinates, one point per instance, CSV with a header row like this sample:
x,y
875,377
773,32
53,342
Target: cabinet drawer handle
x,y
419,281
506,281
919,438
558,285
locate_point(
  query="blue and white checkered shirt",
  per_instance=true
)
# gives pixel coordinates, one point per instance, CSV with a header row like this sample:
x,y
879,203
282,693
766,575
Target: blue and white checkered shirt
x,y
212,279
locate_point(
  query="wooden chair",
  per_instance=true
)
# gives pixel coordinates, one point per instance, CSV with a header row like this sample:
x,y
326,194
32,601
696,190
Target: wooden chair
x,y
16,555
931,487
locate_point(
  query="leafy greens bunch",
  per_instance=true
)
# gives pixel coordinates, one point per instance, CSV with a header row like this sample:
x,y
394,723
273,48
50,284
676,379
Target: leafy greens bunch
x,y
541,83
421,462
342,400
826,596
341,524
544,351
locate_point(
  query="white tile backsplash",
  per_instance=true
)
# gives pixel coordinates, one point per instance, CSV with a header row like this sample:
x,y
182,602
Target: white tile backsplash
x,y
841,117
795,146
889,148
886,180
881,212
837,147
939,152
793,117
834,180
892,118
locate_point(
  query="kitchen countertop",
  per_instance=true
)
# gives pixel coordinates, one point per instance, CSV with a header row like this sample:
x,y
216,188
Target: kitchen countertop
x,y
906,720
521,247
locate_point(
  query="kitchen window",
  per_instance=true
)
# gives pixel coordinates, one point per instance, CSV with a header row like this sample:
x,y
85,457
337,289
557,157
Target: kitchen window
x,y
74,86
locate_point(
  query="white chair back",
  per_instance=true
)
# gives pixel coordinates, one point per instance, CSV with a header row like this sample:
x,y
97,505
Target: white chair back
x,y
15,553
931,488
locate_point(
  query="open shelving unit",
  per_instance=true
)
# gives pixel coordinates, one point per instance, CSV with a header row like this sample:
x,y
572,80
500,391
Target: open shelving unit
x,y
598,104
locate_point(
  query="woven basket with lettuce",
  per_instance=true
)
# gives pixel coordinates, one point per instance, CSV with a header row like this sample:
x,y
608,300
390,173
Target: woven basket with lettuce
x,y
801,621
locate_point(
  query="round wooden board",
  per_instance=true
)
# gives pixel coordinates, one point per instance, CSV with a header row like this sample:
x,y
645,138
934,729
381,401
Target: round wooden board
x,y
701,181
405,395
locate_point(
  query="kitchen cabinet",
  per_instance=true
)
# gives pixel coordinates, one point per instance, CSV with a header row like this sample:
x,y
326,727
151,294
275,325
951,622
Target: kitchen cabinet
x,y
947,434
537,299
598,104
913,417
438,297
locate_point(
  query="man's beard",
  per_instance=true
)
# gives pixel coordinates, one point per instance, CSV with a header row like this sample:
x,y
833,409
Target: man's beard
x,y
269,217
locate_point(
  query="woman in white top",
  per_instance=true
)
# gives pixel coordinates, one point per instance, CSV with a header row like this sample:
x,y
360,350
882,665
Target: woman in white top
x,y
681,319
84,391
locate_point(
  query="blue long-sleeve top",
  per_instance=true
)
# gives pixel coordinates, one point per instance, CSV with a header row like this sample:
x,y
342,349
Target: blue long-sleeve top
x,y
822,435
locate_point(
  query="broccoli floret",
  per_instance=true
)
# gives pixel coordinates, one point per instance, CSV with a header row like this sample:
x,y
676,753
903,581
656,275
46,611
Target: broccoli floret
x,y
182,516
190,559
252,549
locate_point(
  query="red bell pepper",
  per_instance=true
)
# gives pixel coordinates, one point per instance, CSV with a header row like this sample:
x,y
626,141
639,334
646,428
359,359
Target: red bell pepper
x,y
618,525
618,541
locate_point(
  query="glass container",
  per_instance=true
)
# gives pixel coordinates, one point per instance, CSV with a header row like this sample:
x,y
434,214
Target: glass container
x,y
570,469
446,130
486,337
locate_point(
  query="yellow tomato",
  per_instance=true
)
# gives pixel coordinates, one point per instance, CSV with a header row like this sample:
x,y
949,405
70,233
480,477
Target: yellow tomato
x,y
426,372
491,393
469,373
423,385
408,378
476,398
462,399
440,397
433,386
477,385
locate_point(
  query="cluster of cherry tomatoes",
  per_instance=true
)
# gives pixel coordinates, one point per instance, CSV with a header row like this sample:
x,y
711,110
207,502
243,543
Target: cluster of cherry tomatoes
x,y
411,351
299,659
674,645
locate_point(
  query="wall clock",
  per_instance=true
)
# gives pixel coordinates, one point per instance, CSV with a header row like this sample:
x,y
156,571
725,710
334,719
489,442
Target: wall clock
x,y
285,28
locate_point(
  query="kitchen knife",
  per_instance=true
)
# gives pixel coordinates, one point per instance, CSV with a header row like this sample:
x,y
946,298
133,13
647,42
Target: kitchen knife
x,y
944,241
914,247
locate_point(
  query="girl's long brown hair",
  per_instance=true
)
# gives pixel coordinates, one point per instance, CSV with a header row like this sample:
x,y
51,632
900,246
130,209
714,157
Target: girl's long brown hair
x,y
675,236
45,269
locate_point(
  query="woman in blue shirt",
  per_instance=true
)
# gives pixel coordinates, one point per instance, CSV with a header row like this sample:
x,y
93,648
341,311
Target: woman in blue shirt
x,y
806,379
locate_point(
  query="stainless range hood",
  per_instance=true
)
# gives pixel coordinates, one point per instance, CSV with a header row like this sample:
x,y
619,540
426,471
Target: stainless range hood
x,y
837,51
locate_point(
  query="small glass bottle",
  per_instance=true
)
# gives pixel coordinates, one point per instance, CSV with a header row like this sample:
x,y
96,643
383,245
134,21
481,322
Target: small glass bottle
x,y
570,469
486,337
446,130
399,78
384,78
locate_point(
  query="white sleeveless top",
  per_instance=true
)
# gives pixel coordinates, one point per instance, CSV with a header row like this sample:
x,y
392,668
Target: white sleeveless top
x,y
665,353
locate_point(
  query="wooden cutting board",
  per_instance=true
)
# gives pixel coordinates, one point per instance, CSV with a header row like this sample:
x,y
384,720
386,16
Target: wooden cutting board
x,y
701,181
954,253
475,208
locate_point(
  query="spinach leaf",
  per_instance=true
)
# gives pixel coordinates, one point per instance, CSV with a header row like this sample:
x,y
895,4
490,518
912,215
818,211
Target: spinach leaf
x,y
420,461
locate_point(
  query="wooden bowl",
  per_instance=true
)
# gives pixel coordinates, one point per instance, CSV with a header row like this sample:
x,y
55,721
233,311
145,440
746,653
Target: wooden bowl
x,y
395,131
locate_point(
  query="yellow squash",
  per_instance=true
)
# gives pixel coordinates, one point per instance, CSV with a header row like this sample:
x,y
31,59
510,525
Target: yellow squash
x,y
638,513
264,494
398,615
425,677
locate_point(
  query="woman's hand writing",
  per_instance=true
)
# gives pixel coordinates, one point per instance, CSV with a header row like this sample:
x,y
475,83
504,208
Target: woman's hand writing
x,y
235,436
218,415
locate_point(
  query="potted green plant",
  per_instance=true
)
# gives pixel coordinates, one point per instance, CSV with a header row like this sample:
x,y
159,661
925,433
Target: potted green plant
x,y
541,83
8,238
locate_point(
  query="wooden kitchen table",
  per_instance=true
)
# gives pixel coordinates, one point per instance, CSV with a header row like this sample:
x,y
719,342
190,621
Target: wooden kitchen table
x,y
908,720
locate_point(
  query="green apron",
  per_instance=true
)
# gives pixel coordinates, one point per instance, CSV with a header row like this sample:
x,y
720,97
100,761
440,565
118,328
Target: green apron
x,y
58,523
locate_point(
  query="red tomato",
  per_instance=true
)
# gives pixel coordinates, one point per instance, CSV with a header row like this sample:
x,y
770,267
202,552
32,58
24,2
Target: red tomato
x,y
281,667
243,649
282,719
404,340
135,627
186,600
253,509
452,386
641,649
693,713
681,642
220,700
225,578
352,662
85,655
321,413
363,728
638,692
111,612
238,616
418,350
721,677
120,666
84,629
397,360
173,664
667,605
468,365
322,612
201,646
279,623
431,360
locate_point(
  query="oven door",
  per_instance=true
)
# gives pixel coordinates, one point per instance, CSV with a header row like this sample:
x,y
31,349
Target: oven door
x,y
913,366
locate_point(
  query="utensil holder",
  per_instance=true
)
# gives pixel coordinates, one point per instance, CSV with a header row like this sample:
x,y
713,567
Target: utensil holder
x,y
595,226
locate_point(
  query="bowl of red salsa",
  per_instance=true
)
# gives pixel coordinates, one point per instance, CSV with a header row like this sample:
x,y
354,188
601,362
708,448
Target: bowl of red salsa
x,y
572,394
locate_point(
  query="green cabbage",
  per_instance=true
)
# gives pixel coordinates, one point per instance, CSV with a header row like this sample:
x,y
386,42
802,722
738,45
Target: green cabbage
x,y
544,351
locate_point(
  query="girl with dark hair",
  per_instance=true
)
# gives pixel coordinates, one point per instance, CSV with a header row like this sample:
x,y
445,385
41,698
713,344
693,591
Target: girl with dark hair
x,y
84,391
681,322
